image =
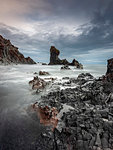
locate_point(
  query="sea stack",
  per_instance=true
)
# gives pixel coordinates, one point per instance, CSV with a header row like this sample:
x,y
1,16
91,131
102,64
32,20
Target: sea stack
x,y
55,60
10,54
54,53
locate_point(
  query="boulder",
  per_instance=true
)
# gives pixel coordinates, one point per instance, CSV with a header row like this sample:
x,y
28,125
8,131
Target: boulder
x,y
37,83
65,67
43,73
35,73
85,76
47,115
44,64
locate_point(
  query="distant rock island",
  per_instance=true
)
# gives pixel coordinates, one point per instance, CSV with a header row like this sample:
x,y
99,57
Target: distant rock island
x,y
10,54
55,60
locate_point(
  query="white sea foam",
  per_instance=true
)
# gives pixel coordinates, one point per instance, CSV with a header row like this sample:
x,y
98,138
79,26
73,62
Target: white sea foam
x,y
14,87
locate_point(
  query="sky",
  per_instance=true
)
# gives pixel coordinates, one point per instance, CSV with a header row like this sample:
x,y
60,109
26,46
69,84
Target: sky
x,y
80,29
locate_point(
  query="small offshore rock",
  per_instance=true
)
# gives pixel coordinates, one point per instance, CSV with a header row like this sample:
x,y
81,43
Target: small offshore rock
x,y
65,67
43,73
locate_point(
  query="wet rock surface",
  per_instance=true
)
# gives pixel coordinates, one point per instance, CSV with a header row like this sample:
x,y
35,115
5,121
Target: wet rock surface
x,y
43,73
10,54
109,73
37,83
85,114
65,67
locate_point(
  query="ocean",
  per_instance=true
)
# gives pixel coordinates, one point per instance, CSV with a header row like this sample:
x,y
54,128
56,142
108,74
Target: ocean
x,y
16,96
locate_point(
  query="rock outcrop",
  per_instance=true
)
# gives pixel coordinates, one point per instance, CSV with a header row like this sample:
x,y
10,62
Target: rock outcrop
x,y
77,64
85,115
55,60
43,73
37,83
10,54
54,53
65,67
109,73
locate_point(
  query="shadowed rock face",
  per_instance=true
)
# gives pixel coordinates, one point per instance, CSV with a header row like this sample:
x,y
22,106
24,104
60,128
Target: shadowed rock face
x,y
10,54
55,60
109,73
54,53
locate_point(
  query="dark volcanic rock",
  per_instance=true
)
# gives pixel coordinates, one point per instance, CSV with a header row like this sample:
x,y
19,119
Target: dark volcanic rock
x,y
55,60
85,76
77,64
44,64
43,73
65,67
54,53
109,73
88,123
10,54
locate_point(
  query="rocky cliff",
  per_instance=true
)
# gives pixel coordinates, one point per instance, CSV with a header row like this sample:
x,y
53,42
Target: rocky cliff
x,y
55,60
10,54
109,73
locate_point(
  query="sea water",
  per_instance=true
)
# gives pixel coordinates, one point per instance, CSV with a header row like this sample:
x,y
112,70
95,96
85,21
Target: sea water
x,y
16,96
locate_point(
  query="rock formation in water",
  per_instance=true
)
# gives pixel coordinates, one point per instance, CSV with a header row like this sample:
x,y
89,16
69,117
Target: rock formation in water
x,y
55,60
65,67
37,83
10,54
109,73
76,63
43,73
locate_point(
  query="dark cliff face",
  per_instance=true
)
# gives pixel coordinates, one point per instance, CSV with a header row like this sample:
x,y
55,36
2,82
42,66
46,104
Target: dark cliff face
x,y
55,60
10,54
109,73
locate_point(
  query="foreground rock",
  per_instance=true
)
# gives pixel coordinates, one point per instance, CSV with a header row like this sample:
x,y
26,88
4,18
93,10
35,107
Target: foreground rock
x,y
37,83
85,115
55,60
10,54
47,115
43,73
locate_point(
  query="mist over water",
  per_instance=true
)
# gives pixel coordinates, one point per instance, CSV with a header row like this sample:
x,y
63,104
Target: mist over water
x,y
16,126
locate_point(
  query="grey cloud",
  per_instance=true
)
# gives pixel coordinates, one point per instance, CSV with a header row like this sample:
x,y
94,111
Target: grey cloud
x,y
96,34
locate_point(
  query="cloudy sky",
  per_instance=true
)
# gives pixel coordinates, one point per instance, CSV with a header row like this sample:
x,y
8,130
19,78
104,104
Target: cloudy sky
x,y
80,29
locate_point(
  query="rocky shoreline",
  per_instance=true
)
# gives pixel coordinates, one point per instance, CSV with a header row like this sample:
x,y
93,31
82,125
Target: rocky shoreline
x,y
78,113
87,124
